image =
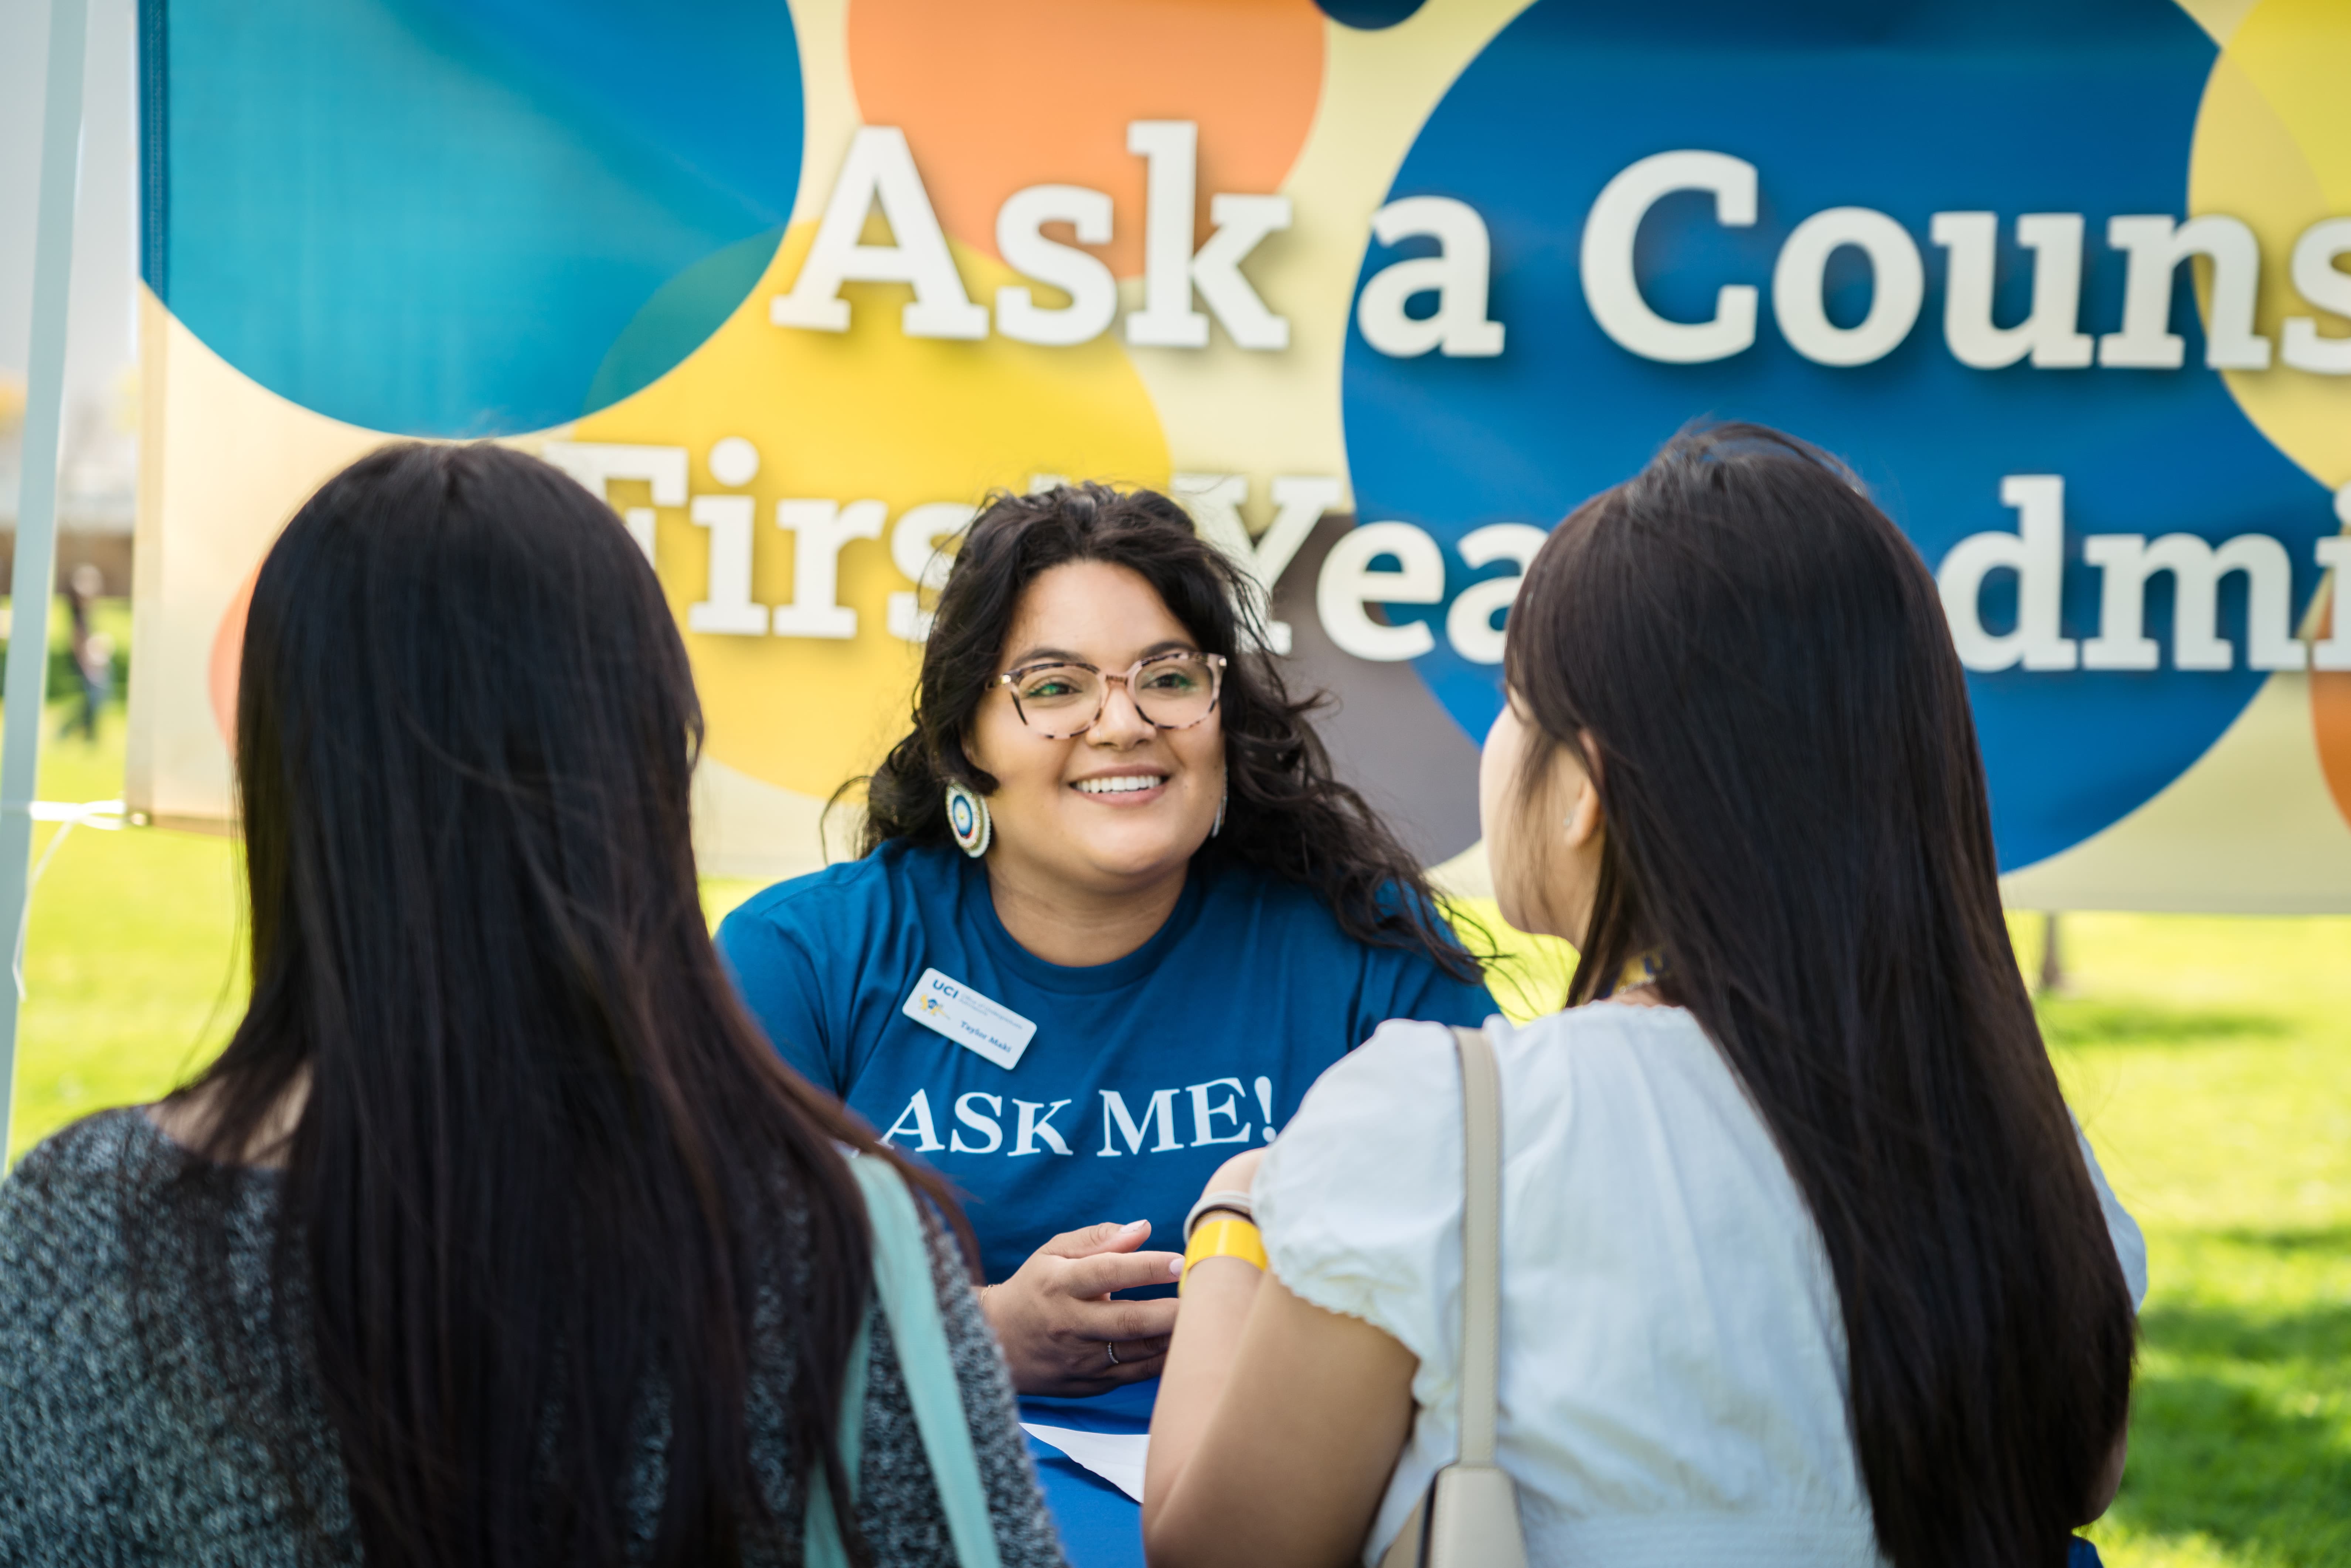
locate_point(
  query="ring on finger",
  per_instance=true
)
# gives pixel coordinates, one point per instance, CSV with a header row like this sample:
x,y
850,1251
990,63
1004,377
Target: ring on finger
x,y
1112,1348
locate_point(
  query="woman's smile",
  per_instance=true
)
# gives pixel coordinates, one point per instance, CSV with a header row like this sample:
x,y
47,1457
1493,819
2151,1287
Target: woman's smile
x,y
1125,787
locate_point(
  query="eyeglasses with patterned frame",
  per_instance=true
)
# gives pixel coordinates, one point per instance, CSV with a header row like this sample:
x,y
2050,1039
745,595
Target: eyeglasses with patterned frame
x,y
1060,698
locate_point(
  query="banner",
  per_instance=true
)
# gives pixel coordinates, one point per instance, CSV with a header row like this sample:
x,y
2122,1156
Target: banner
x,y
1380,289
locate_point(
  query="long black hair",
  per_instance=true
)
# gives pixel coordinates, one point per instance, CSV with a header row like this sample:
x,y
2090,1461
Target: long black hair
x,y
1286,812
1753,662
548,1187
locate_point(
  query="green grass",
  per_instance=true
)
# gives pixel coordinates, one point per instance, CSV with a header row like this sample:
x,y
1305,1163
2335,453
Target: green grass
x,y
132,968
2208,1059
2210,1062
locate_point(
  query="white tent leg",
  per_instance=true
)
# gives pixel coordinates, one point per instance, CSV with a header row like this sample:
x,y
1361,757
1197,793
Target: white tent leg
x,y
37,511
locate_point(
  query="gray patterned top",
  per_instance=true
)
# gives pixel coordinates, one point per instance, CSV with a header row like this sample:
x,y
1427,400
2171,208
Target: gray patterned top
x,y
118,1451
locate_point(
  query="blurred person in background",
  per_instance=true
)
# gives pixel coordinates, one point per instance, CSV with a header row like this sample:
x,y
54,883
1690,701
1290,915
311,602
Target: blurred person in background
x,y
92,651
1803,1261
1113,915
497,1235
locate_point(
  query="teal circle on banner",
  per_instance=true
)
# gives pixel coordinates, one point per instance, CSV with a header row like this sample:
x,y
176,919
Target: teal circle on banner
x,y
439,217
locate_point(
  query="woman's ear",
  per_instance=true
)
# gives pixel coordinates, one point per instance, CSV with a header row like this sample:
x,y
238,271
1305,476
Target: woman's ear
x,y
1584,817
968,744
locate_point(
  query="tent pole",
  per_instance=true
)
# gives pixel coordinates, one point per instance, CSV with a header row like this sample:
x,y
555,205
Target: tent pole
x,y
35,572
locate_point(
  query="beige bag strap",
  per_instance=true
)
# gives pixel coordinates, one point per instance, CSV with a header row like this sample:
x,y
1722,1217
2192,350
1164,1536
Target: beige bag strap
x,y
1481,1245
1468,1516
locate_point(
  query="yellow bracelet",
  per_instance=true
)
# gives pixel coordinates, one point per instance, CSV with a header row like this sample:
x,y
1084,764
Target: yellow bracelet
x,y
1223,1236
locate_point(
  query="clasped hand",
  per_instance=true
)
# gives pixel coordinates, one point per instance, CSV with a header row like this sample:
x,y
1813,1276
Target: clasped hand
x,y
1061,1332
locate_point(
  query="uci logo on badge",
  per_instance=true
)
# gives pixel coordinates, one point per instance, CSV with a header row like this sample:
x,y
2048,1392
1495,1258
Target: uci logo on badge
x,y
950,1008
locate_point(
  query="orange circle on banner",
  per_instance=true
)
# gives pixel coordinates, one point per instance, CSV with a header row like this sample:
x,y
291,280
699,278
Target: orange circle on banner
x,y
995,97
228,656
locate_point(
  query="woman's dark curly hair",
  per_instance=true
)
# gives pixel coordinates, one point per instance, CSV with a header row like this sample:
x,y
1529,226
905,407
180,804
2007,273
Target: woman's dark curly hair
x,y
1286,812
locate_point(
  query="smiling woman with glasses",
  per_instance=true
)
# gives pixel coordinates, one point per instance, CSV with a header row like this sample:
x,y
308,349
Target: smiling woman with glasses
x,y
1113,915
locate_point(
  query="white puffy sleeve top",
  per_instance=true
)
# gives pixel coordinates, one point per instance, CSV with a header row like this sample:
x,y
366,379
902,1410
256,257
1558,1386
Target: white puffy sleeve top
x,y
1673,1363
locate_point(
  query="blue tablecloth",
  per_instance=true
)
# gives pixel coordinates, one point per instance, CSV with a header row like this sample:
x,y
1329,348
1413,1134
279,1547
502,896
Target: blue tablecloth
x,y
1101,1526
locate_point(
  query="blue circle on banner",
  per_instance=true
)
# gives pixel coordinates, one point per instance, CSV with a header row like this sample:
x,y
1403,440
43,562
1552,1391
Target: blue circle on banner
x,y
2011,107
440,217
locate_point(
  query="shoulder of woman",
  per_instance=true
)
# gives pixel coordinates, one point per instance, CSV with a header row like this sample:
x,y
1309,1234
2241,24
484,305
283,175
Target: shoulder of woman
x,y
85,1165
80,1423
1373,1128
1270,887
1358,1195
843,894
1297,904
61,1213
1404,1060
100,1154
1403,1084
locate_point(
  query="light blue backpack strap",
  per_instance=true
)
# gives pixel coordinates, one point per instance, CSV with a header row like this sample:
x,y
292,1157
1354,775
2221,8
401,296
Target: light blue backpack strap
x,y
821,1545
901,1276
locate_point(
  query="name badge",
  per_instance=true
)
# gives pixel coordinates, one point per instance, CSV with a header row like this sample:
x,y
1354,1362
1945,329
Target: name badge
x,y
971,1020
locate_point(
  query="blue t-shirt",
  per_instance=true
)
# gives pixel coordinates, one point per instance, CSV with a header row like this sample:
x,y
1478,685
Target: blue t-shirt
x,y
1144,1074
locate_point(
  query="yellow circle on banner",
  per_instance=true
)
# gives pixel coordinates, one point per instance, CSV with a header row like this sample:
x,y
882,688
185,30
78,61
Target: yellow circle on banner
x,y
2274,148
867,415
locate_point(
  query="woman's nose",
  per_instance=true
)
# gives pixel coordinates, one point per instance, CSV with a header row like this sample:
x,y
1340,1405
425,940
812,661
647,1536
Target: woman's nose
x,y
1120,722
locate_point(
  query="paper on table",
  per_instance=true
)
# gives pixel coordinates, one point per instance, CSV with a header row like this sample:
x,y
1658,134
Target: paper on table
x,y
1116,1456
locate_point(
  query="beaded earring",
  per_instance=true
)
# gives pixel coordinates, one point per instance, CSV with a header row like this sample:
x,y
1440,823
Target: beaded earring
x,y
967,819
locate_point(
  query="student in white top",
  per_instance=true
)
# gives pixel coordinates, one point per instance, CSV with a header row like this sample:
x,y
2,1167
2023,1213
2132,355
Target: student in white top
x,y
1804,1261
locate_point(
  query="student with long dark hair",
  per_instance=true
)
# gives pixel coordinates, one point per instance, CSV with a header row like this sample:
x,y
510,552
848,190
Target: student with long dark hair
x,y
1803,1261
1113,915
497,1235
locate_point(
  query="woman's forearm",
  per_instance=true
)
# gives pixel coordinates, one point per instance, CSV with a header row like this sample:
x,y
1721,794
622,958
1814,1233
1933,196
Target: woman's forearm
x,y
1277,1427
1276,1423
1218,1295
